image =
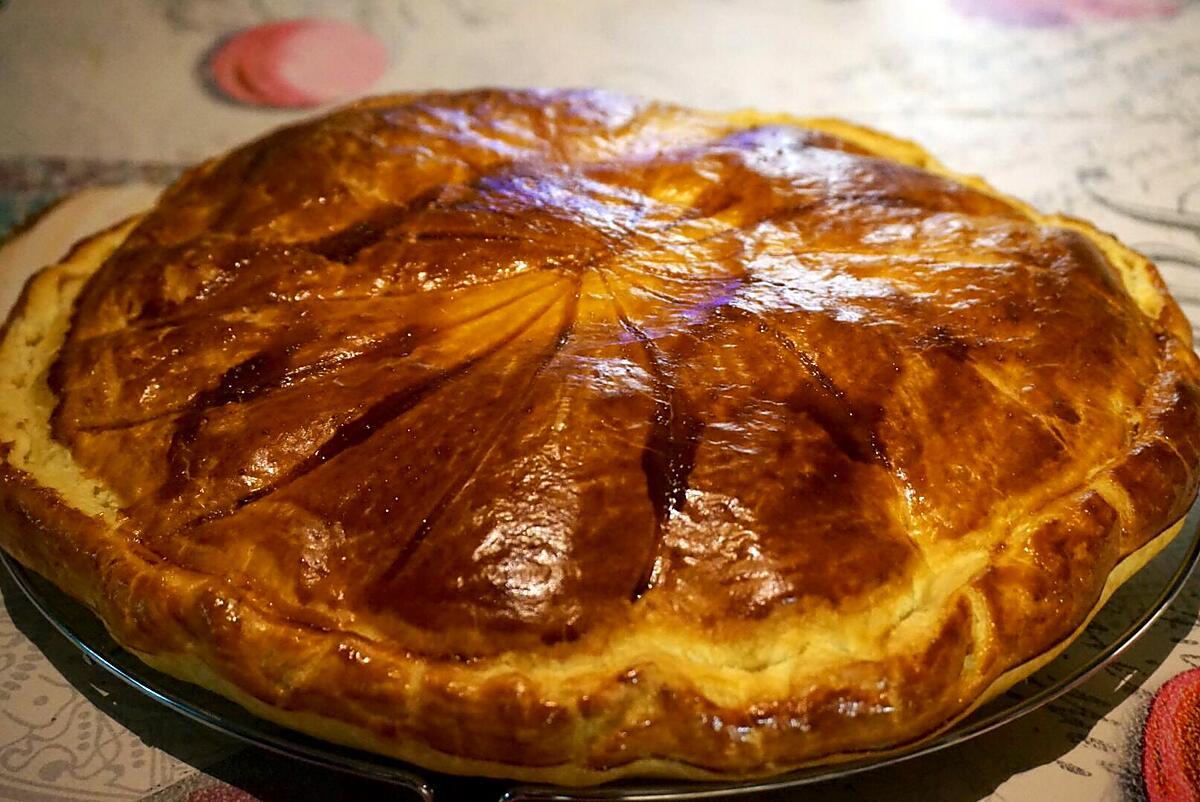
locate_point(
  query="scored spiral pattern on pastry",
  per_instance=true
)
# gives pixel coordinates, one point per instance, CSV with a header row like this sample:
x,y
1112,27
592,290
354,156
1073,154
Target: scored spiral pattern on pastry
x,y
520,376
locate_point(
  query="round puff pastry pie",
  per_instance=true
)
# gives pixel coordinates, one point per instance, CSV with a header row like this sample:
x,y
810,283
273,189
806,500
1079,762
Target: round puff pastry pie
x,y
564,436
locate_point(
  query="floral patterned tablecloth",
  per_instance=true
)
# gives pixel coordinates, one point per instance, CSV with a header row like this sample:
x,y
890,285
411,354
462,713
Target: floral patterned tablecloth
x,y
1091,107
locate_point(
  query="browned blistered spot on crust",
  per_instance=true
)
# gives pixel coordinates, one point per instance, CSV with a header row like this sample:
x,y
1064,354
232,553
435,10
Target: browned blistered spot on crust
x,y
1057,576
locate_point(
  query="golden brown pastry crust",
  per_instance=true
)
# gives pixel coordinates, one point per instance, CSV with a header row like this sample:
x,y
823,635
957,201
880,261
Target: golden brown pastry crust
x,y
565,437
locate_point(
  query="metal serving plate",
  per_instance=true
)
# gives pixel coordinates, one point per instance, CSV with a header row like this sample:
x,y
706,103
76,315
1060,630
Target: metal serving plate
x,y
1128,614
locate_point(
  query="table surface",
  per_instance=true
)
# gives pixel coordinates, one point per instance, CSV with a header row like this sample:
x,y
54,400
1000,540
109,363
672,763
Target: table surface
x,y
1091,107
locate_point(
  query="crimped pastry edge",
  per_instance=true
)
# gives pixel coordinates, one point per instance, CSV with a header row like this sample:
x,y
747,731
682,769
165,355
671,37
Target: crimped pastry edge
x,y
77,547
197,673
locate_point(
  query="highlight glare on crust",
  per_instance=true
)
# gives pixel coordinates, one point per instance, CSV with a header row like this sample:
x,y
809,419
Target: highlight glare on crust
x,y
651,699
